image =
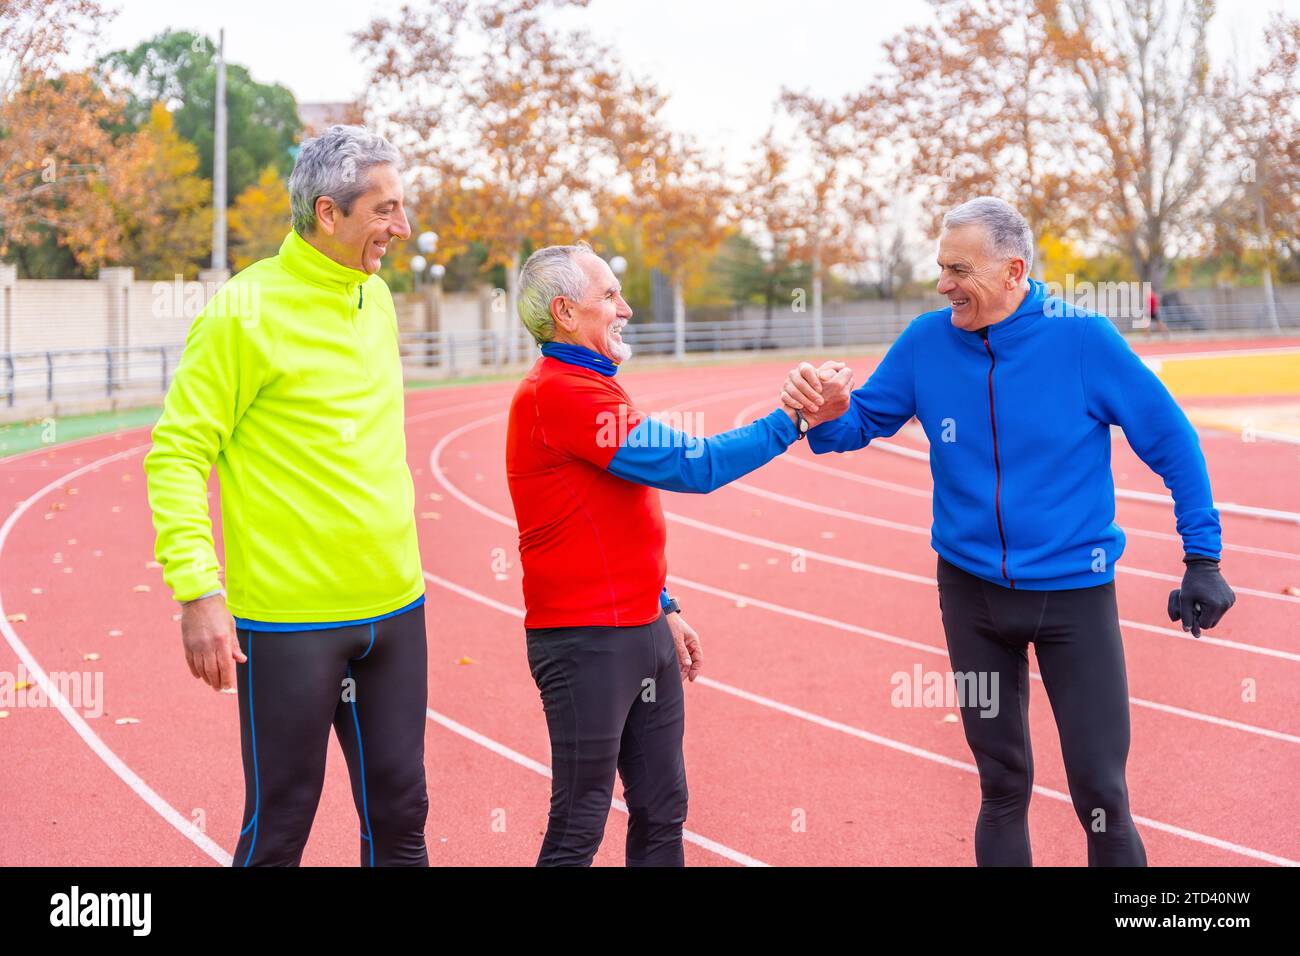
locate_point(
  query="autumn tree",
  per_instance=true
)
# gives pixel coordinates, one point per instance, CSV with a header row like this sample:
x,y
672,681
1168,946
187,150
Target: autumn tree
x,y
834,199
768,206
487,103
151,210
975,104
260,218
1150,100
52,138
178,68
1259,217
658,180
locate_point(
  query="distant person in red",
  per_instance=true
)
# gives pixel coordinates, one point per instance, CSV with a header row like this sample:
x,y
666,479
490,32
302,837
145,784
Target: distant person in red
x,y
1153,306
607,646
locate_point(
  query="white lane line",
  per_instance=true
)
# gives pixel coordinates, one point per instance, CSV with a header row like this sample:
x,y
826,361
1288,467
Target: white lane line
x,y
1225,507
114,763
928,581
733,597
924,493
1224,353
713,846
898,745
846,515
474,505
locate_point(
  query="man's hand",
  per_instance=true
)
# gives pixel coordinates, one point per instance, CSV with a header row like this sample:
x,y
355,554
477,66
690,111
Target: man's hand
x,y
689,656
211,646
821,393
1204,597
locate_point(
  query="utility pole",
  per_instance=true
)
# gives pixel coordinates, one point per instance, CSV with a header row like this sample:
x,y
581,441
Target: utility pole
x,y
219,163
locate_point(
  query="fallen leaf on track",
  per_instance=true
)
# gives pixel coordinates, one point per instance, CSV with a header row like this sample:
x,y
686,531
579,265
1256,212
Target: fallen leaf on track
x,y
18,618
92,656
466,660
141,587
127,720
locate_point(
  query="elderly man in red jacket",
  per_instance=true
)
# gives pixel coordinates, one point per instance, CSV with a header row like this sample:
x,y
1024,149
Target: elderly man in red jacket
x,y
607,646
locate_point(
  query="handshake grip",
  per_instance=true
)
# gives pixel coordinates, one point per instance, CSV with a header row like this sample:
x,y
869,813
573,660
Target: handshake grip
x,y
821,393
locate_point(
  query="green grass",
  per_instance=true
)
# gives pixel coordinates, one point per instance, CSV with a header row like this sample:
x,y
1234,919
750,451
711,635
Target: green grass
x,y
18,437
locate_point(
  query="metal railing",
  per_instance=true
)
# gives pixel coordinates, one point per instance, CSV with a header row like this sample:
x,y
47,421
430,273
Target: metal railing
x,y
95,373
43,376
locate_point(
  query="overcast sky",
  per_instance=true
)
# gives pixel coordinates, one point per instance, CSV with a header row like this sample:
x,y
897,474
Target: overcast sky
x,y
722,61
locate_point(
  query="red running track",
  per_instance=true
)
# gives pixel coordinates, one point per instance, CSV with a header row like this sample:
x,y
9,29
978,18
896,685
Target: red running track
x,y
794,752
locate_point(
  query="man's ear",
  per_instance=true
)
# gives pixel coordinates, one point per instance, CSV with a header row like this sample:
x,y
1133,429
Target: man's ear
x,y
1017,272
326,214
562,315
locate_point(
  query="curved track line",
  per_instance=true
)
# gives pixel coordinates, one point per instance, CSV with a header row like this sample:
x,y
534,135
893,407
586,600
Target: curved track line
x,y
1225,507
713,846
487,512
907,748
925,493
114,763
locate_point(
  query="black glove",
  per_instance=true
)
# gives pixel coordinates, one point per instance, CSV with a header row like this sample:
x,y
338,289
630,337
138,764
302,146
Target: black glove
x,y
1204,597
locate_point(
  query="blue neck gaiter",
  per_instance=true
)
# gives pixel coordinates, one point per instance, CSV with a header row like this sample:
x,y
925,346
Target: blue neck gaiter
x,y
580,355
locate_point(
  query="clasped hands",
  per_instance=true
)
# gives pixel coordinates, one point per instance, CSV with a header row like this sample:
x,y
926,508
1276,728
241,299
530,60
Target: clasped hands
x,y
821,393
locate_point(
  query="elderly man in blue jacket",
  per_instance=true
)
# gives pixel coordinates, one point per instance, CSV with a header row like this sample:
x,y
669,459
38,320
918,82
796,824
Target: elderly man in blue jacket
x,y
1017,392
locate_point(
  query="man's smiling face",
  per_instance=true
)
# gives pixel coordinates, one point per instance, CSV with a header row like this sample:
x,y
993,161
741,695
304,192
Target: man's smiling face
x,y
601,313
981,287
360,238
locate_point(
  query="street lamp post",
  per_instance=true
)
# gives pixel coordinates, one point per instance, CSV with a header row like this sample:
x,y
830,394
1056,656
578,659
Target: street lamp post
x,y
427,243
436,273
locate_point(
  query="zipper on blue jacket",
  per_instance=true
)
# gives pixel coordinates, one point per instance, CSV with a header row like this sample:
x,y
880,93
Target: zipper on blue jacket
x,y
997,467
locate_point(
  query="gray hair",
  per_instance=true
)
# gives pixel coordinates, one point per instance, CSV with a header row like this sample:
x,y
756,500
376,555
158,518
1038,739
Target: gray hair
x,y
332,165
1009,235
550,271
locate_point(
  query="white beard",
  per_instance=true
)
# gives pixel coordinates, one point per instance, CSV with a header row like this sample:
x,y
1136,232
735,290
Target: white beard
x,y
619,351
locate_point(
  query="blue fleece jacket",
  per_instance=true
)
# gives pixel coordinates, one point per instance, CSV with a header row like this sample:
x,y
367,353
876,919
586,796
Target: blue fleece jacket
x,y
656,454
1018,416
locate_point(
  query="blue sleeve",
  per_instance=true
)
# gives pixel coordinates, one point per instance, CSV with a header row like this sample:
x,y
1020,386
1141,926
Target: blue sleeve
x,y
662,457
881,406
1121,390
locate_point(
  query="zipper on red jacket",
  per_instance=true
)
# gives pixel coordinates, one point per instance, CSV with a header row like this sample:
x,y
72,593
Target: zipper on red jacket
x,y
997,467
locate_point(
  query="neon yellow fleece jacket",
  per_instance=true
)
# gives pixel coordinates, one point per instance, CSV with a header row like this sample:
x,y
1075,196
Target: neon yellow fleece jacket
x,y
291,383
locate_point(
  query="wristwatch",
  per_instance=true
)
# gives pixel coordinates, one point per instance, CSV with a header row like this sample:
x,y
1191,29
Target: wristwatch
x,y
672,607
801,424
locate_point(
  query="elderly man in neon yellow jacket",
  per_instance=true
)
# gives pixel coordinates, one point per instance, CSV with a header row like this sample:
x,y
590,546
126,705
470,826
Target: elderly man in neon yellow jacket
x,y
291,384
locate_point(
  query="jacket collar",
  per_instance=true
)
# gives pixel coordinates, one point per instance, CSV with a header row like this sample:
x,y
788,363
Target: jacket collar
x,y
1019,320
306,262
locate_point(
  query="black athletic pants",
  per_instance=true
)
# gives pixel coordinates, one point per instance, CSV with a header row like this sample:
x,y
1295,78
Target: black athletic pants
x,y
1077,644
370,681
613,700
